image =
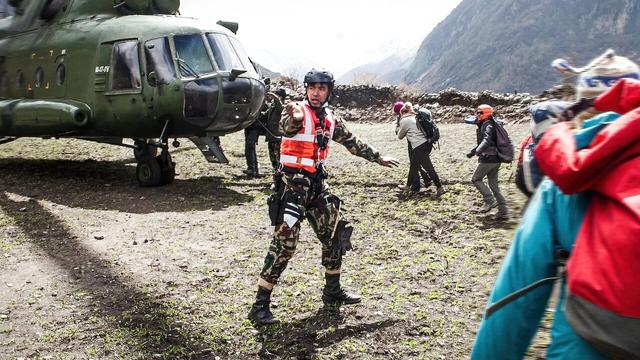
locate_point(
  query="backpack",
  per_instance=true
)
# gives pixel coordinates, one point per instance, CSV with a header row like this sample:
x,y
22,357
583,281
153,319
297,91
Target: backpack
x,y
503,142
427,125
543,115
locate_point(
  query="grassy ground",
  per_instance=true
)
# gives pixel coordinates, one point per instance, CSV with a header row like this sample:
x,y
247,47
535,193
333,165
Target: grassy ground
x,y
94,266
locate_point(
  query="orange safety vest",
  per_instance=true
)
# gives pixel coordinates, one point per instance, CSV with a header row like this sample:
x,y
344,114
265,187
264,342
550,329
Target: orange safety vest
x,y
301,151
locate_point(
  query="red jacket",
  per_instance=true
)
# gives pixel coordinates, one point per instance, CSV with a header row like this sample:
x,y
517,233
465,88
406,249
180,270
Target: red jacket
x,y
604,267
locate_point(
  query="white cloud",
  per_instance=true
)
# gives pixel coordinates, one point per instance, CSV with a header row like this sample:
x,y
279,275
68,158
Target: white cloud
x,y
335,34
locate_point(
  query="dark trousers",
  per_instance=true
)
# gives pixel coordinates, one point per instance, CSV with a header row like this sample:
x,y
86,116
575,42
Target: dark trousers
x,y
490,171
414,181
420,159
250,140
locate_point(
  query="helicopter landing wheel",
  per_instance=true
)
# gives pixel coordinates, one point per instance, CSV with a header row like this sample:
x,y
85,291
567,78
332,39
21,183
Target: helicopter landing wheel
x,y
149,172
167,168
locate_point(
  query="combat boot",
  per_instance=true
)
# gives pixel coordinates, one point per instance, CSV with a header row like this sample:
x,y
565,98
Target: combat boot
x,y
334,295
440,190
260,313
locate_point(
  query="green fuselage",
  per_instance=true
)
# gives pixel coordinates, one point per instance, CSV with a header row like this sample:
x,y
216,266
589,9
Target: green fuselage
x,y
102,75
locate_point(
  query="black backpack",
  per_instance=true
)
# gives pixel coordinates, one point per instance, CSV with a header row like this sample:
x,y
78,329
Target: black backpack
x,y
503,143
427,125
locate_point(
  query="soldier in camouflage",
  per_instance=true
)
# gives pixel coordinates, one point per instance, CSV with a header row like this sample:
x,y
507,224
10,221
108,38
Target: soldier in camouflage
x,y
301,192
272,118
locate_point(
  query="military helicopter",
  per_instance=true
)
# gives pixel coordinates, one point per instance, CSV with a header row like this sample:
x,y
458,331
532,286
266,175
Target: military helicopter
x,y
113,70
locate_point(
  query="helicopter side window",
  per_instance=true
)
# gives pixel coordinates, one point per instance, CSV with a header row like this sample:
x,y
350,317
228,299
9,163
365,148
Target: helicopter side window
x,y
61,74
125,66
159,59
51,9
4,82
192,55
19,80
6,10
39,77
223,52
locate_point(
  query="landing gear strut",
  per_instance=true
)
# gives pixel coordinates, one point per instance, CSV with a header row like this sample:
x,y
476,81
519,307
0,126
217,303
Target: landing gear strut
x,y
152,169
142,149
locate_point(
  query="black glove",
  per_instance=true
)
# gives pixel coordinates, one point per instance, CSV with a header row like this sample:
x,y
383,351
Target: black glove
x,y
342,238
569,113
472,153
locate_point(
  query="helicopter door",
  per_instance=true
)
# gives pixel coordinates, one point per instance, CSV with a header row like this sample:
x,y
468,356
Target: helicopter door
x,y
120,79
165,99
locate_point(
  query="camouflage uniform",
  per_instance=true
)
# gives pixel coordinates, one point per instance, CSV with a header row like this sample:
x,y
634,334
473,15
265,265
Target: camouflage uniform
x,y
273,135
314,201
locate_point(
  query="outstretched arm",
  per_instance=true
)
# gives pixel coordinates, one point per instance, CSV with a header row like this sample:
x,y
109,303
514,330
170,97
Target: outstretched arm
x,y
344,136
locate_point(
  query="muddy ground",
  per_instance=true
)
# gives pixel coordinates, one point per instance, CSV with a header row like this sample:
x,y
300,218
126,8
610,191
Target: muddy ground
x,y
94,266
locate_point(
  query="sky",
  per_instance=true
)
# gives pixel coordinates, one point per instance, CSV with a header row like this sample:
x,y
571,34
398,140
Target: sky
x,y
289,36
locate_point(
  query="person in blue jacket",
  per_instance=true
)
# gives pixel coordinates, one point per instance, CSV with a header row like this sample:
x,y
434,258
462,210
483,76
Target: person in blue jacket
x,y
551,223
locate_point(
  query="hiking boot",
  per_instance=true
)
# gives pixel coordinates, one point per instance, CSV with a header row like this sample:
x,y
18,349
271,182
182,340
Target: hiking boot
x,y
440,190
333,295
250,172
403,187
488,206
407,188
260,313
502,214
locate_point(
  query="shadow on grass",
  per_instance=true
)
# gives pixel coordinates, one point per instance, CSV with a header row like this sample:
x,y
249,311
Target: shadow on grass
x,y
306,338
111,185
148,326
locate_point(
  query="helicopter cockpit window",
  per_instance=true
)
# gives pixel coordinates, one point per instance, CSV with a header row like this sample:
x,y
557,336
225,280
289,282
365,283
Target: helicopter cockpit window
x,y
223,52
125,66
193,59
159,60
243,56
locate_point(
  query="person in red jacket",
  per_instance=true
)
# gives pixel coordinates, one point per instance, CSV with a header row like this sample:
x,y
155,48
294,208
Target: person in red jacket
x,y
589,208
308,128
603,272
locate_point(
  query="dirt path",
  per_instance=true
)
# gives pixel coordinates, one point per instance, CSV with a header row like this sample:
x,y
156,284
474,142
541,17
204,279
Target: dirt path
x,y
94,266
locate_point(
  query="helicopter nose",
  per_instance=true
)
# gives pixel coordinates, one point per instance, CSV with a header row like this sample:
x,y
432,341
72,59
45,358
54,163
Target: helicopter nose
x,y
241,102
201,102
242,99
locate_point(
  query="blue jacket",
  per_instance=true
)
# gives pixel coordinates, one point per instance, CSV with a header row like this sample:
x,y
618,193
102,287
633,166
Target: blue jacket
x,y
551,221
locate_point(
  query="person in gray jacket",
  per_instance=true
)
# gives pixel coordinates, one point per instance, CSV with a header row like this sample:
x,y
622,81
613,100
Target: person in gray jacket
x,y
421,148
488,163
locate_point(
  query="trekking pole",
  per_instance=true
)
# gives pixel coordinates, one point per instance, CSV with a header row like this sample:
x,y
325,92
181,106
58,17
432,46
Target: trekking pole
x,y
512,169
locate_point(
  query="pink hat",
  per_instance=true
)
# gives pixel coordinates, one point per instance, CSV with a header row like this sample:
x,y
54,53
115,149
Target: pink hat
x,y
397,106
